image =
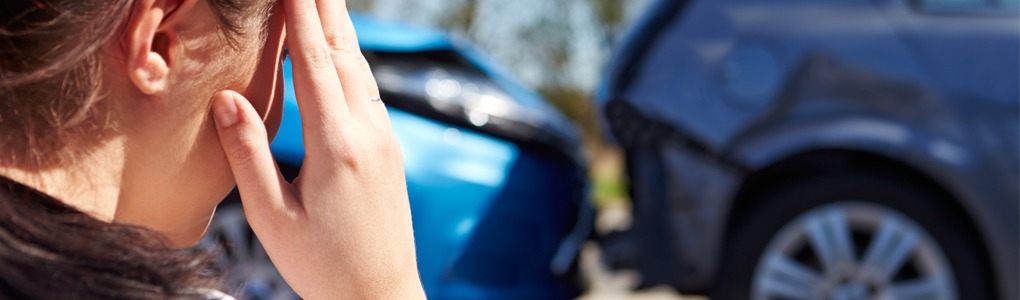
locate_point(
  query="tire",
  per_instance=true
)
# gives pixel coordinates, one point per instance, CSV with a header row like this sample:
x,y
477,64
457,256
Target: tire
x,y
878,212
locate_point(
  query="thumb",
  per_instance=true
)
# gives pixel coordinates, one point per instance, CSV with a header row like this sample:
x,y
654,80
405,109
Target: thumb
x,y
246,144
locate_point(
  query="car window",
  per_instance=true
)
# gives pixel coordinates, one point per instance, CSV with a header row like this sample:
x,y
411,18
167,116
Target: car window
x,y
969,6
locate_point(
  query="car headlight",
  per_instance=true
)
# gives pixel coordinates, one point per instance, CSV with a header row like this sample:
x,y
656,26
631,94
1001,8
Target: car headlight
x,y
440,86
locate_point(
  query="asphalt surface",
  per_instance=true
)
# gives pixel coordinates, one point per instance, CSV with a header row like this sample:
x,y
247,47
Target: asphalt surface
x,y
607,285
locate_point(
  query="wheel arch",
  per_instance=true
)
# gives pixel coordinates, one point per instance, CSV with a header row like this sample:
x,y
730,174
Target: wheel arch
x,y
832,161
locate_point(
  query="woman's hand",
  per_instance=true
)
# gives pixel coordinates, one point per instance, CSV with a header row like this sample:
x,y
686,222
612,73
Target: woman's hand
x,y
343,228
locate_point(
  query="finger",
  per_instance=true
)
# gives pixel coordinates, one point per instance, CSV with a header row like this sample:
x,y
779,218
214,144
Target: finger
x,y
316,83
337,26
245,142
355,74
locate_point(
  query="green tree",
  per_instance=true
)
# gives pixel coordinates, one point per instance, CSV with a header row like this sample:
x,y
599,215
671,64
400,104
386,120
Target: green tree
x,y
610,14
461,19
360,5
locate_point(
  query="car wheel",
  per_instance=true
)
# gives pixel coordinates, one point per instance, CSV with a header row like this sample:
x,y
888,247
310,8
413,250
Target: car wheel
x,y
249,272
853,237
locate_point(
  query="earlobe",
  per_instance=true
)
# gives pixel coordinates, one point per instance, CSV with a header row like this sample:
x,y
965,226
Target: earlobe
x,y
147,50
152,76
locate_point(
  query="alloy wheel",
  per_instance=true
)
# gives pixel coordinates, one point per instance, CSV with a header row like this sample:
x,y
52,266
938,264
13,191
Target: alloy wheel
x,y
852,250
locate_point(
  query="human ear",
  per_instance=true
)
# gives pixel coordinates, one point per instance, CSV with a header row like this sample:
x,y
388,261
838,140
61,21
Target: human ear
x,y
147,46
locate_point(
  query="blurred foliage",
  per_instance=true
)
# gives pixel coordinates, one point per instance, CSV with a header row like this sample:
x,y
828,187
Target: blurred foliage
x,y
608,179
462,18
576,105
360,5
611,14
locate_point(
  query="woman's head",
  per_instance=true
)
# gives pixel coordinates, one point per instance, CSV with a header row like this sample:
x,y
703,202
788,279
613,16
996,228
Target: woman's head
x,y
121,88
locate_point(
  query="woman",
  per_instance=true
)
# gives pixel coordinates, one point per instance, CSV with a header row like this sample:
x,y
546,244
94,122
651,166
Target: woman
x,y
124,122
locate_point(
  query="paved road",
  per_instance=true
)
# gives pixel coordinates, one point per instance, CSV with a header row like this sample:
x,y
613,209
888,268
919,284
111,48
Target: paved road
x,y
606,285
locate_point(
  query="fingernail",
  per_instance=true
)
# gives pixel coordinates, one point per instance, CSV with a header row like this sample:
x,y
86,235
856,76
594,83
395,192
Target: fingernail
x,y
225,109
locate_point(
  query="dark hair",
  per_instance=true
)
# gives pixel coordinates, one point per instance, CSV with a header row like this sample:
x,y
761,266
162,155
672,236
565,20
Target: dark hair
x,y
49,250
51,72
50,98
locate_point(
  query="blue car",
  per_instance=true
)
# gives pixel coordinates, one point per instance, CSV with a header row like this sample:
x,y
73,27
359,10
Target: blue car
x,y
496,178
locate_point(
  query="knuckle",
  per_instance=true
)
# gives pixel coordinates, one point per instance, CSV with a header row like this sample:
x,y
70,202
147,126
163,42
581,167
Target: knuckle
x,y
359,62
244,151
352,159
318,59
368,149
338,43
352,60
348,152
242,154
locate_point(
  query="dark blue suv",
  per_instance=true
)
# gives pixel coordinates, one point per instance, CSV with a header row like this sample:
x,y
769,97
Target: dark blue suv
x,y
809,149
